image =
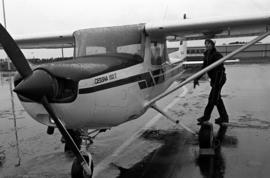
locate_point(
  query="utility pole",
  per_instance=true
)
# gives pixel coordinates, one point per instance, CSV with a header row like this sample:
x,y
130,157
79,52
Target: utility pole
x,y
11,93
4,13
62,51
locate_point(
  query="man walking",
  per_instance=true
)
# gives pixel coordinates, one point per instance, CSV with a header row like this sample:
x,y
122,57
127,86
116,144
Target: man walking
x,y
218,78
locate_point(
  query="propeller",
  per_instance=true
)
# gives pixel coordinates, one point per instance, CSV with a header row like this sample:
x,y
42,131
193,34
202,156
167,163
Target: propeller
x,y
14,53
37,85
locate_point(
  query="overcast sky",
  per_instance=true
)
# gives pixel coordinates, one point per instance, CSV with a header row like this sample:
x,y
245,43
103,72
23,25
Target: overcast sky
x,y
46,16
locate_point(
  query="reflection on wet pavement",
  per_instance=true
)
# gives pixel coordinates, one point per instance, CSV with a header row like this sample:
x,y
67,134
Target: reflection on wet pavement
x,y
2,156
249,121
162,161
214,166
168,160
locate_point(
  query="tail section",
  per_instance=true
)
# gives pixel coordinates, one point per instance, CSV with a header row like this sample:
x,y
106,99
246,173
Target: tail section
x,y
182,50
181,54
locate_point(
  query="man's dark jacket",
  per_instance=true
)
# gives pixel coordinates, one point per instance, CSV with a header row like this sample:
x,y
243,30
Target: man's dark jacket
x,y
217,74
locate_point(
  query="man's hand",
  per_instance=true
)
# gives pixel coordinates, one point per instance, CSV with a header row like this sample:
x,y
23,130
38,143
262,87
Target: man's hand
x,y
195,83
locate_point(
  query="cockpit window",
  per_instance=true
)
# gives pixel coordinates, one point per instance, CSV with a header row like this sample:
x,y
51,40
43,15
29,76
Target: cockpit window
x,y
110,40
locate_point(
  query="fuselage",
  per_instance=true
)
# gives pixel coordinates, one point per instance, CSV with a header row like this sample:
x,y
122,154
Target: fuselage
x,y
111,92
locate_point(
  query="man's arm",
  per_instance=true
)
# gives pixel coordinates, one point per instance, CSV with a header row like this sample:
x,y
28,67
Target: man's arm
x,y
196,81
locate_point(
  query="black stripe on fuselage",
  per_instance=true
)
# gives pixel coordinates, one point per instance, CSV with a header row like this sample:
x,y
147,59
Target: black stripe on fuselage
x,y
145,80
157,72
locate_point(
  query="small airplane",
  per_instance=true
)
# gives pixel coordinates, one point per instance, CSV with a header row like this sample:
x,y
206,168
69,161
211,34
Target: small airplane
x,y
117,74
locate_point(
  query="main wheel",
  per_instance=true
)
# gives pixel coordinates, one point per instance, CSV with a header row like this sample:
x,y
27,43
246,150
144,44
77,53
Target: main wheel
x,y
77,169
206,136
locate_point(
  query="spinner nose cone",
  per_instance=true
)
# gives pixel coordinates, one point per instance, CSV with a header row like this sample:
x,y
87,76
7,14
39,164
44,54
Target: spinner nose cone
x,y
37,85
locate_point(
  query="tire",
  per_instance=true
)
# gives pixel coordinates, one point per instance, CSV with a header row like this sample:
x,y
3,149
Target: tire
x,y
77,169
206,136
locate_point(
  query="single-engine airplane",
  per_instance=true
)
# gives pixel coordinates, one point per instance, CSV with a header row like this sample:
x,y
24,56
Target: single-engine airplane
x,y
116,75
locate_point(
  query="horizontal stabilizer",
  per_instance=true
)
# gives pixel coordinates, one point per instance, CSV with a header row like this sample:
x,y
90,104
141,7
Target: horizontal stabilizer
x,y
201,62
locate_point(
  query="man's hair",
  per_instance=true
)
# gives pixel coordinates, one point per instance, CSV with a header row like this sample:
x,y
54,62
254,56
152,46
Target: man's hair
x,y
209,41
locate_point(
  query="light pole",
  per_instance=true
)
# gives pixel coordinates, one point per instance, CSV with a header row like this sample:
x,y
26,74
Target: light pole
x,y
11,93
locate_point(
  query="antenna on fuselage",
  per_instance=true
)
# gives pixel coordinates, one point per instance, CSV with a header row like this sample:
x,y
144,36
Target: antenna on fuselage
x,y
185,16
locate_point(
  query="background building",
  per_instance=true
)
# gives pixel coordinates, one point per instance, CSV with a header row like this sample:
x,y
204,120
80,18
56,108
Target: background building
x,y
258,52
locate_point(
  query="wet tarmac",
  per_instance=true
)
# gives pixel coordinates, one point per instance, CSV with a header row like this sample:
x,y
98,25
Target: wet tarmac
x,y
153,147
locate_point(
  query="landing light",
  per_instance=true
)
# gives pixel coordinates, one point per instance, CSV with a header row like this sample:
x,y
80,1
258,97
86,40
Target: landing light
x,y
51,120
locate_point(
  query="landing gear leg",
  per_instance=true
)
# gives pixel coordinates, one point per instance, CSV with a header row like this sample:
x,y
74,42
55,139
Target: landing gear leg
x,y
76,135
77,170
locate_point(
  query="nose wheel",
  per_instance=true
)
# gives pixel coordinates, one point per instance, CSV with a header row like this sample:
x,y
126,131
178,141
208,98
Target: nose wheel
x,y
77,170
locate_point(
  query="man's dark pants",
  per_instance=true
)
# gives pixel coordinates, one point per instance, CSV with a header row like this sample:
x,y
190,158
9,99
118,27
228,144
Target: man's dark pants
x,y
216,100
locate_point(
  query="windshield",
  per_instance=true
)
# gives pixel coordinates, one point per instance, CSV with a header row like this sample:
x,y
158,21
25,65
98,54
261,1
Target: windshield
x,y
109,40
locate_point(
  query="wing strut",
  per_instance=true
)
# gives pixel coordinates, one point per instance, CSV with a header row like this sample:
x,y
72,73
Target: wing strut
x,y
154,106
203,71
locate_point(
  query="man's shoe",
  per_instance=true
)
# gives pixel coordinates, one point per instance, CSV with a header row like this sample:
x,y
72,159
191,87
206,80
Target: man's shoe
x,y
221,120
201,120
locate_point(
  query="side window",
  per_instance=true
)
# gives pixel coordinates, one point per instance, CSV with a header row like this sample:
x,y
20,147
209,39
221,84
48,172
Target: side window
x,y
91,50
157,53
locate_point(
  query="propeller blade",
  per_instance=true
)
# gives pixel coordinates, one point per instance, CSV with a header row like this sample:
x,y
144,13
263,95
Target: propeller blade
x,y
64,132
14,53
31,84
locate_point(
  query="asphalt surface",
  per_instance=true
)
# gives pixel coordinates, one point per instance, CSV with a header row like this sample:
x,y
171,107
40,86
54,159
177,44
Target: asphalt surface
x,y
152,146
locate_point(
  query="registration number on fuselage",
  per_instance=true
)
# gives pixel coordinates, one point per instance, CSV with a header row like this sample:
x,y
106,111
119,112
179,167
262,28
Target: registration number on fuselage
x,y
105,78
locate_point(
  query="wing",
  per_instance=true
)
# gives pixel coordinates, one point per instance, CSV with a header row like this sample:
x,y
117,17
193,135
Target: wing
x,y
218,27
189,29
64,40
